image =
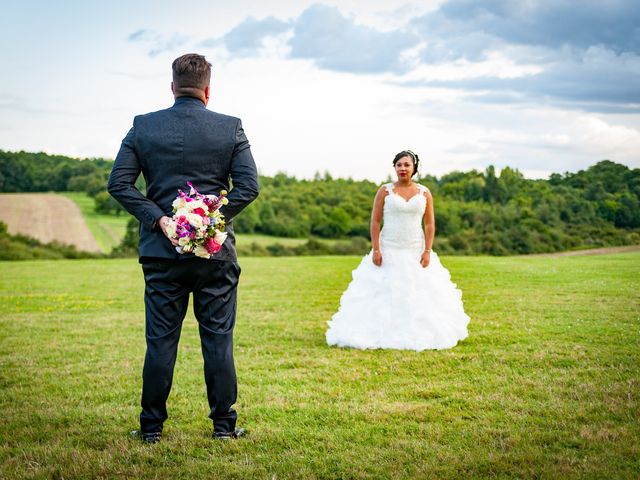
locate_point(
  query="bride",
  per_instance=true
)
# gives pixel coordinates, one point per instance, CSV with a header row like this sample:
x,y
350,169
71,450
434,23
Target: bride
x,y
401,297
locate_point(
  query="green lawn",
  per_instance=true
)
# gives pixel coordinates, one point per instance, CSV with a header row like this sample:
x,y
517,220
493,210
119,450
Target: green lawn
x,y
108,230
266,240
546,386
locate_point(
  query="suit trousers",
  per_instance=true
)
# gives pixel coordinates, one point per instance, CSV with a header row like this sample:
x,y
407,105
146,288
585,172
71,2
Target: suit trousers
x,y
167,289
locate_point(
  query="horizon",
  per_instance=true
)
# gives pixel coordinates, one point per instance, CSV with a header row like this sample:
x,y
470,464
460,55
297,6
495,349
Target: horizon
x,y
320,173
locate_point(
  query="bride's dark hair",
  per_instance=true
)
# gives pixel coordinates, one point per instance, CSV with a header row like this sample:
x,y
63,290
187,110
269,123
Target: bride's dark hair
x,y
412,156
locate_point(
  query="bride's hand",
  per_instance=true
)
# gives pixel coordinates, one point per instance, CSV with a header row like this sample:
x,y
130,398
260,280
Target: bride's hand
x,y
377,258
426,258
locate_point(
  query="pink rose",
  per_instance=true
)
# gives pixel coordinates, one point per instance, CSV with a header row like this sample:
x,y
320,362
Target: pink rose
x,y
212,246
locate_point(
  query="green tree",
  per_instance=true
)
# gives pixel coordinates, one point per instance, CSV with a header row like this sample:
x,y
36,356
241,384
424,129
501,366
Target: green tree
x,y
105,203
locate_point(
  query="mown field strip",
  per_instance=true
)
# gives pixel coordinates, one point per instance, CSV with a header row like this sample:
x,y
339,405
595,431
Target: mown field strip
x,y
47,217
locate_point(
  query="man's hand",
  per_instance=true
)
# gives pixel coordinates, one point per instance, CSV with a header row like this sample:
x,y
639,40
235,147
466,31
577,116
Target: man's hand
x,y
164,223
426,258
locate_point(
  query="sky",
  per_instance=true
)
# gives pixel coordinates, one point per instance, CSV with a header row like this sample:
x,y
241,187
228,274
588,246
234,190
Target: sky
x,y
337,86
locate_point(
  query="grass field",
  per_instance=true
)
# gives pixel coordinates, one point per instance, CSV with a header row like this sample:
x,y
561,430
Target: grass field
x,y
266,240
47,217
546,386
108,230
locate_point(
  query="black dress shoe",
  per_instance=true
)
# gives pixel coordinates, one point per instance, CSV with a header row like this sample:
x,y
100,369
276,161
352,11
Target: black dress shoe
x,y
237,433
149,437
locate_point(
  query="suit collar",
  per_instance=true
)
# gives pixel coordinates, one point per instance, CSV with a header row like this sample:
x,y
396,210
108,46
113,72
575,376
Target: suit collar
x,y
189,101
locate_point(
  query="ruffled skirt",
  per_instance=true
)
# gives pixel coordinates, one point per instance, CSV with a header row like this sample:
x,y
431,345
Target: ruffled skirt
x,y
399,305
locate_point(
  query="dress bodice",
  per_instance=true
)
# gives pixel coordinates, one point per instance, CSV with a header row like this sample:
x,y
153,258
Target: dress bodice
x,y
402,220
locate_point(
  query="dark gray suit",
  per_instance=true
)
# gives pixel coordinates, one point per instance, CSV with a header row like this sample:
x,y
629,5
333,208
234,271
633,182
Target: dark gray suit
x,y
184,143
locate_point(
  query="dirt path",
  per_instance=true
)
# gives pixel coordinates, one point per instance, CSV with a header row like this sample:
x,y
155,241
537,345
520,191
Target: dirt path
x,y
593,251
47,217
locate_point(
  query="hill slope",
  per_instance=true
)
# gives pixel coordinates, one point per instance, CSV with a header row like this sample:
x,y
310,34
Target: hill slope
x,y
47,217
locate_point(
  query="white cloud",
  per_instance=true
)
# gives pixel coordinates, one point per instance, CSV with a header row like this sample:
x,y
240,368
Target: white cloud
x,y
74,86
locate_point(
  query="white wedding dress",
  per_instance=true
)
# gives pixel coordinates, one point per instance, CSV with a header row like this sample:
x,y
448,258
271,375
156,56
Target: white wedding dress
x,y
400,304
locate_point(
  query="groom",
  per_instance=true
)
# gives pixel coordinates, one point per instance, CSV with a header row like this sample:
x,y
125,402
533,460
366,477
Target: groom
x,y
170,147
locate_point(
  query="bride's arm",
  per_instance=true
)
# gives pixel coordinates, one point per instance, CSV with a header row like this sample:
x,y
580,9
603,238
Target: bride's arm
x,y
376,220
429,229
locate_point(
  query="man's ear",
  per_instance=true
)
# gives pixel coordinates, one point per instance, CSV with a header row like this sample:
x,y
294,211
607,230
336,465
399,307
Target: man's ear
x,y
207,91
173,90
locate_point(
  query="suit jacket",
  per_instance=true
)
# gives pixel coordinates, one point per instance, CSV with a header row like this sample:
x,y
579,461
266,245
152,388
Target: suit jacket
x,y
183,143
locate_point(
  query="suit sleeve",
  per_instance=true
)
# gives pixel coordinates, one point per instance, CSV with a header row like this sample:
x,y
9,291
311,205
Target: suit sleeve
x,y
244,176
122,184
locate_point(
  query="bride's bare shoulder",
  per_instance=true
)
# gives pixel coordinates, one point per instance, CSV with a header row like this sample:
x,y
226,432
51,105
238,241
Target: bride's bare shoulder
x,y
384,190
425,191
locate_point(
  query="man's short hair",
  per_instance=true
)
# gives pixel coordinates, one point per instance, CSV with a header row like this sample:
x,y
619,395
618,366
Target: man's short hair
x,y
190,72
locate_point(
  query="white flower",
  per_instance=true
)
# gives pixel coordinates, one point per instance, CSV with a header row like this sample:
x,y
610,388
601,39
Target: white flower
x,y
195,204
170,228
179,203
194,219
187,248
220,237
181,211
183,241
201,252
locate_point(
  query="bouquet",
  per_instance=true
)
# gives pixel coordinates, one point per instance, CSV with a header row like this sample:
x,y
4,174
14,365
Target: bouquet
x,y
197,223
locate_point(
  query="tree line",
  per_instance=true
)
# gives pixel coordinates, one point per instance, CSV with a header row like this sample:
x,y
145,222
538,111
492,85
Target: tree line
x,y
477,212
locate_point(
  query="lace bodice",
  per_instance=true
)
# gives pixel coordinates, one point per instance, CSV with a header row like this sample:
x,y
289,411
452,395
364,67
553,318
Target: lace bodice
x,y
402,220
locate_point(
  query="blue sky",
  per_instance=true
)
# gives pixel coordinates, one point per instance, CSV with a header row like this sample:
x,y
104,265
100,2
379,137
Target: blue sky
x,y
543,86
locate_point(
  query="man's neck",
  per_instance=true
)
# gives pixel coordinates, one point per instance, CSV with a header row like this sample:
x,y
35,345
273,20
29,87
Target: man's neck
x,y
199,97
